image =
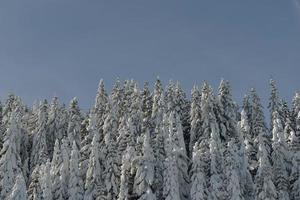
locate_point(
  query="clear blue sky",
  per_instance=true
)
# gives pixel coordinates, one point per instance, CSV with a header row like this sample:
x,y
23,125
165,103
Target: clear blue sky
x,y
64,47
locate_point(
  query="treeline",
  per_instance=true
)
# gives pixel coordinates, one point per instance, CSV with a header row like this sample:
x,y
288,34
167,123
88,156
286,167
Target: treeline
x,y
142,144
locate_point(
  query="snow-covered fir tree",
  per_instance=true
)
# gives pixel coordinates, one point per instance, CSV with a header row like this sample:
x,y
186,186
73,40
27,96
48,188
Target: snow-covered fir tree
x,y
151,144
159,139
126,179
144,176
199,190
171,173
226,111
99,108
53,125
195,117
111,157
280,158
39,152
34,190
75,189
274,101
74,123
94,183
234,189
65,167
45,180
10,163
56,163
265,188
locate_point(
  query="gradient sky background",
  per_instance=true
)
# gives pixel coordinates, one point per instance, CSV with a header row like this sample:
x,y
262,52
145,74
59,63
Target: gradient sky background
x,y
64,47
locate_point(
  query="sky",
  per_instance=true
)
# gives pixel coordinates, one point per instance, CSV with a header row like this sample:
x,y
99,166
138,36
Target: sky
x,y
64,47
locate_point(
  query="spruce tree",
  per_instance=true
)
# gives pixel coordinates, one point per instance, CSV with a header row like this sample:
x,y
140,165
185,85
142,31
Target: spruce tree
x,y
171,173
55,172
111,172
75,182
217,188
175,131
195,116
39,153
144,176
226,112
234,187
127,178
74,123
99,109
86,144
53,125
45,180
295,177
265,188
182,107
274,101
159,140
10,162
65,167
94,184
280,157
199,190
34,190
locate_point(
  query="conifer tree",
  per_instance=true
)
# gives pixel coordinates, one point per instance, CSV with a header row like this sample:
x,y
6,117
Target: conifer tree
x,y
247,185
86,144
94,184
65,167
45,180
9,158
182,107
280,157
169,97
39,153
111,172
217,188
99,108
126,183
147,106
257,127
144,176
9,106
55,172
265,188
117,100
226,112
53,125
74,123
34,190
75,181
274,101
295,177
159,140
234,189
199,190
175,130
195,116
171,183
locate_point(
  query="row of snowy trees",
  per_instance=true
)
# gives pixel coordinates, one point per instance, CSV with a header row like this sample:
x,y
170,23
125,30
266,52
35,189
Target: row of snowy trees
x,y
138,144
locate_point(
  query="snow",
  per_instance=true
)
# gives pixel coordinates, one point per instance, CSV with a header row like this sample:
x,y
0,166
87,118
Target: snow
x,y
139,144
